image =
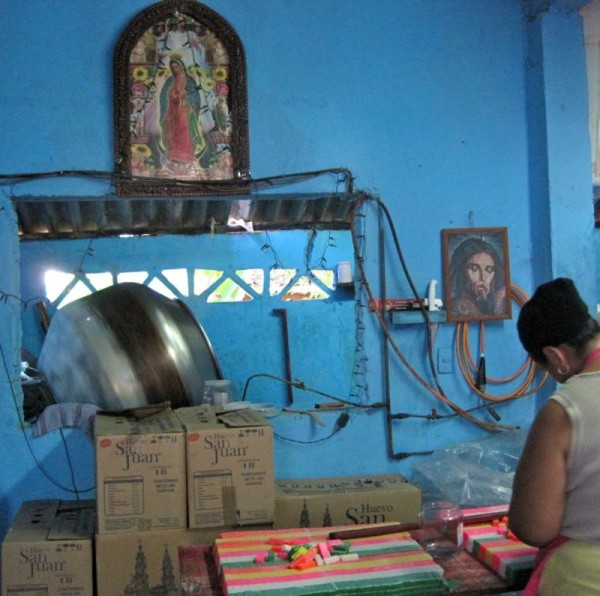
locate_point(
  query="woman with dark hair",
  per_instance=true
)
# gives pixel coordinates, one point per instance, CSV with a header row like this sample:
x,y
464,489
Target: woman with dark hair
x,y
477,275
556,490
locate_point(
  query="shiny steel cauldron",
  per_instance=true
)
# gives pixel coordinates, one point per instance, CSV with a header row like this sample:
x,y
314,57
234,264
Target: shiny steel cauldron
x,y
127,346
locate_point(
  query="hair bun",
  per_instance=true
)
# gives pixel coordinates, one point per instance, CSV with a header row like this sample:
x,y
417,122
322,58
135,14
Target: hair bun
x,y
555,314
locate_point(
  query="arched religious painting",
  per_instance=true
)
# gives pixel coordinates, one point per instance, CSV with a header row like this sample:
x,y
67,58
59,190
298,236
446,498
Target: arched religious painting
x,y
181,114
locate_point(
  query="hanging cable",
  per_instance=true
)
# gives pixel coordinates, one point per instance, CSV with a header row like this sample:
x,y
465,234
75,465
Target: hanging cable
x,y
36,460
481,377
380,314
437,391
344,176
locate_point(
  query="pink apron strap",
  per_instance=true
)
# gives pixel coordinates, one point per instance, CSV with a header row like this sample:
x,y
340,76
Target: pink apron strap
x,y
531,588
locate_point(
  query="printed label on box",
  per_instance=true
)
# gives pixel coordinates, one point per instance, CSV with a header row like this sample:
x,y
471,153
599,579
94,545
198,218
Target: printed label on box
x,y
210,495
346,500
41,590
140,477
124,495
229,467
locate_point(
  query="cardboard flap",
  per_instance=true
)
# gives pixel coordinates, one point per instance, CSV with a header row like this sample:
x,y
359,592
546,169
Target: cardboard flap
x,y
52,519
197,417
241,418
33,520
140,412
344,484
161,420
74,521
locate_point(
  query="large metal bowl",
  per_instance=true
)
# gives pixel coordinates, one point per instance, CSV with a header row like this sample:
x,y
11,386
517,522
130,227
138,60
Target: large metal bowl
x,y
127,346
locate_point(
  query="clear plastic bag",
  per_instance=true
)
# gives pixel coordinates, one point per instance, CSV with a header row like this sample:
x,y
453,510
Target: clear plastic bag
x,y
472,474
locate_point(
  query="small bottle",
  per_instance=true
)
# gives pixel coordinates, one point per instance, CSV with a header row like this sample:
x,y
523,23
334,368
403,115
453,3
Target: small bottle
x,y
216,392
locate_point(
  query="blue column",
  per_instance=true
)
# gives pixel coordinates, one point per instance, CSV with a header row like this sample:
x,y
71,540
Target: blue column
x,y
561,194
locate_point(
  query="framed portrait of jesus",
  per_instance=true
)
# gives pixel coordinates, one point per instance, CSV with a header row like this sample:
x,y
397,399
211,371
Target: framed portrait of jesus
x,y
476,274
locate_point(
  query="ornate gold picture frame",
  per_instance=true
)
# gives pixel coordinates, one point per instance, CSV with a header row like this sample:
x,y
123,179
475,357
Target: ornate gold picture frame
x,y
181,113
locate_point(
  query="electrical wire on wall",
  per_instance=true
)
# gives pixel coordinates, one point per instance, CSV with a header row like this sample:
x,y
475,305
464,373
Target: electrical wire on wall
x,y
359,388
435,388
344,186
73,490
195,187
359,374
344,406
4,297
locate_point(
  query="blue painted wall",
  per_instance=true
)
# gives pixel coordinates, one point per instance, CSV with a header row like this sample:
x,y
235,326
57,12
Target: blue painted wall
x,y
456,113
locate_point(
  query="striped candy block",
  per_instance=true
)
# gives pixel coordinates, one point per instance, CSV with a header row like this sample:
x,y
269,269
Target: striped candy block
x,y
508,557
392,564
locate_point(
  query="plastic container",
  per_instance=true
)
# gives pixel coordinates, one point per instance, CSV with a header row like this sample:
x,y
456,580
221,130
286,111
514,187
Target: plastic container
x,y
441,528
344,272
217,392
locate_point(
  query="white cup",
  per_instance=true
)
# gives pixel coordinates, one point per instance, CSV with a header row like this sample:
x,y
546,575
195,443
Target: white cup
x,y
344,272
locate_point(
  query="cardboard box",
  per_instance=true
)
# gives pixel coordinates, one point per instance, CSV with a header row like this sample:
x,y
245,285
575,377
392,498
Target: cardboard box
x,y
148,562
49,549
142,562
346,500
140,472
229,467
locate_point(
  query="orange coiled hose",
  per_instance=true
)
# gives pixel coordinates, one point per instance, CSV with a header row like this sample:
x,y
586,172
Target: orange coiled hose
x,y
468,365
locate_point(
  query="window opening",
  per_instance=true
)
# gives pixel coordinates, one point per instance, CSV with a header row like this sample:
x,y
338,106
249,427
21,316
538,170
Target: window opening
x,y
100,280
254,278
179,279
325,276
305,289
159,286
134,276
77,291
55,283
279,280
62,288
204,279
229,291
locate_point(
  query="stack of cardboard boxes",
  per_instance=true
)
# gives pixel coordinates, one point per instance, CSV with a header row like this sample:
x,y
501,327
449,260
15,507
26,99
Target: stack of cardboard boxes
x,y
173,479
153,474
167,479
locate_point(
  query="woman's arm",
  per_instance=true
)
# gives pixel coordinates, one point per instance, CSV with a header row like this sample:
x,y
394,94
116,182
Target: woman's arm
x,y
538,498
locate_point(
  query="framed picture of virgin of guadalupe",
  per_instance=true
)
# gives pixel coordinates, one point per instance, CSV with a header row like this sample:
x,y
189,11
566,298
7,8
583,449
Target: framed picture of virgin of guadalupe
x,y
181,114
476,274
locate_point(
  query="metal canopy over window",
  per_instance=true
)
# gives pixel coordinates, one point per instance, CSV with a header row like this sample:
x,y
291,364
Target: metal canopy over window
x,y
80,217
